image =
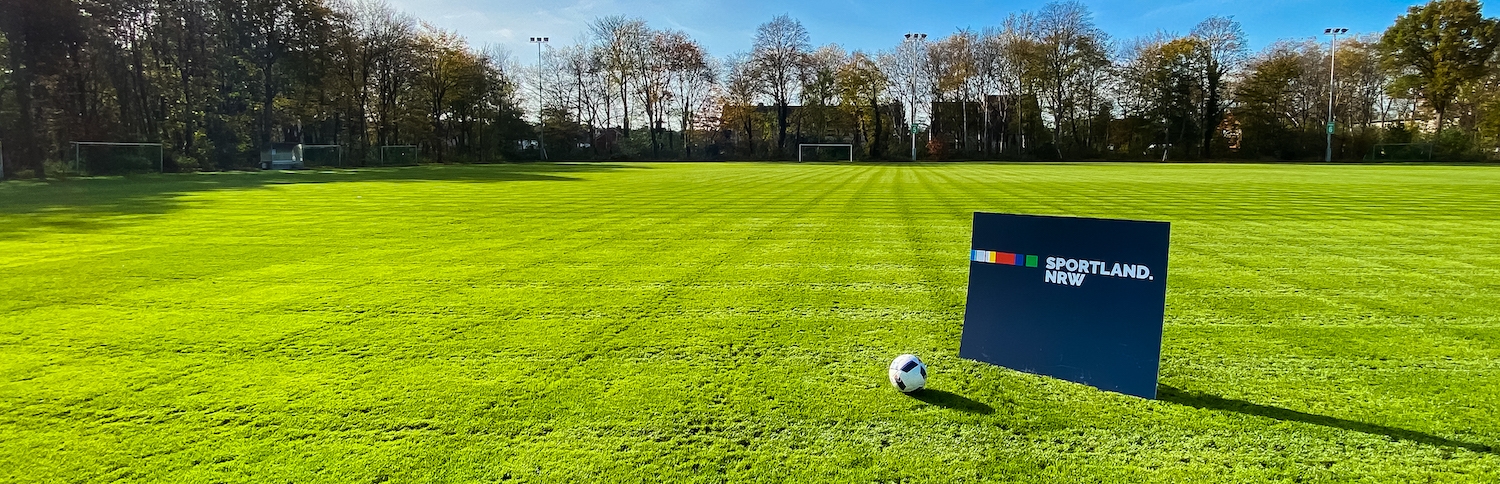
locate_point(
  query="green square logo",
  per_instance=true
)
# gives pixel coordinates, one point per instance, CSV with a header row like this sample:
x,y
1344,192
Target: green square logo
x,y
1030,261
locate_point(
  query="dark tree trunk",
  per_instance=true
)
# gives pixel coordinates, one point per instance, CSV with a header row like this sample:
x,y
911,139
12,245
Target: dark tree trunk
x,y
25,139
877,146
23,60
625,108
749,135
782,113
1210,115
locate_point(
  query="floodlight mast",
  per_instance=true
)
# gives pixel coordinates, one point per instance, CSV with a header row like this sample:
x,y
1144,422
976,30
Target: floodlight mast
x,y
540,129
913,40
1332,51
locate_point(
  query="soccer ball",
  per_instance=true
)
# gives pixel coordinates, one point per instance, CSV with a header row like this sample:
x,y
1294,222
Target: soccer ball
x,y
908,373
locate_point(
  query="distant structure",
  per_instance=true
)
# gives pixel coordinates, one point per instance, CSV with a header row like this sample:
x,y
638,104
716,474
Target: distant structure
x,y
281,156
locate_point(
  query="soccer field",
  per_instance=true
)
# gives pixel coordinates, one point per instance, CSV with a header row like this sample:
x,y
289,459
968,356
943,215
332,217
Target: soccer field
x,y
730,322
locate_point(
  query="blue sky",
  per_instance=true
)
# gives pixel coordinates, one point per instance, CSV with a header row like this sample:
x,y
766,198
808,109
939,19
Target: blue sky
x,y
726,27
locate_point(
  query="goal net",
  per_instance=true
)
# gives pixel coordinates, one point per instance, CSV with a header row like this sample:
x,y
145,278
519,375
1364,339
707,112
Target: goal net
x,y
825,152
398,155
112,158
323,155
1401,152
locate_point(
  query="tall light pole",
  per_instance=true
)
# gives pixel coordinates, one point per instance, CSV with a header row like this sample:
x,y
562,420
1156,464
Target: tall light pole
x,y
1332,50
913,40
541,146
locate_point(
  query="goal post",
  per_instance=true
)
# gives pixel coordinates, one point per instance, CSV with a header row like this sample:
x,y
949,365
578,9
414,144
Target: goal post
x,y
389,153
119,163
825,145
1400,152
309,150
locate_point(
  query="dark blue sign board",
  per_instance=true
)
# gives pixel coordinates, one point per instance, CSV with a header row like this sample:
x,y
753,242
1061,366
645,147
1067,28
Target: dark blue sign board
x,y
1079,299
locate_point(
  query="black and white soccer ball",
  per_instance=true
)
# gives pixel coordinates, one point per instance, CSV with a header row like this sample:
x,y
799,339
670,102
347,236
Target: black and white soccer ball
x,y
908,373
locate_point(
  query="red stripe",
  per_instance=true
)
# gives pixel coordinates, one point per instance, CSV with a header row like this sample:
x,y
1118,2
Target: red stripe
x,y
1005,258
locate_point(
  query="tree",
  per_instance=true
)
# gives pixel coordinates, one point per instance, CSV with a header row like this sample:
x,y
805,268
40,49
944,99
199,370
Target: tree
x,y
1068,60
449,77
1162,77
955,69
1001,65
1265,106
780,55
693,75
861,87
741,85
655,74
1223,50
819,114
39,33
1437,48
908,75
618,40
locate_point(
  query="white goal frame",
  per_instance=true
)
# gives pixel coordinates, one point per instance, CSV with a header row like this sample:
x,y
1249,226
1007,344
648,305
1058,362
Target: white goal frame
x,y
339,149
1378,146
825,145
161,152
416,151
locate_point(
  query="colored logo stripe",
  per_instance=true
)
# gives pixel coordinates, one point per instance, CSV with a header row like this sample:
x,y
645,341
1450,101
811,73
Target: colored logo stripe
x,y
1006,258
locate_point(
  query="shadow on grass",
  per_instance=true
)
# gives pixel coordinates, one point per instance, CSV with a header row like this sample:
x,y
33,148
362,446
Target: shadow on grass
x,y
90,203
1214,402
951,400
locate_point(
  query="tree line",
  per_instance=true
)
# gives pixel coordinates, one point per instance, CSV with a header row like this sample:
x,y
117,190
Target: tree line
x,y
217,81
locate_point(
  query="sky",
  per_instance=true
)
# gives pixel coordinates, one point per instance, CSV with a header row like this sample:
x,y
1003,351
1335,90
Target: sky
x,y
728,26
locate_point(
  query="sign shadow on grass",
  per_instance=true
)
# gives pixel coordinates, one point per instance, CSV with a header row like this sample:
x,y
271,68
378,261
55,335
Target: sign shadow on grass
x,y
952,401
1206,401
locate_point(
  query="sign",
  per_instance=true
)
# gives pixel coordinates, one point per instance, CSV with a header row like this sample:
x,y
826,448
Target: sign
x,y
1073,298
1330,128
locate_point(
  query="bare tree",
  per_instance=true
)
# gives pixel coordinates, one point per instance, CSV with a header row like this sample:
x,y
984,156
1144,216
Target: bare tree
x,y
655,74
693,75
862,85
954,67
780,55
909,79
618,39
1070,54
1223,51
1001,67
742,84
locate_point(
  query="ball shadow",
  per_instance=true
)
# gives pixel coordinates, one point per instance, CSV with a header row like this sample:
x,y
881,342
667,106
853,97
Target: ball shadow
x,y
952,401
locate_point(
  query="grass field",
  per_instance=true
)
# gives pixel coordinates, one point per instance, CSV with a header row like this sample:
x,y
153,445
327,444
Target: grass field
x,y
730,322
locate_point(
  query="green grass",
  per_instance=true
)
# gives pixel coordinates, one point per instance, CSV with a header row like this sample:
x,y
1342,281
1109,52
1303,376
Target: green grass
x,y
730,322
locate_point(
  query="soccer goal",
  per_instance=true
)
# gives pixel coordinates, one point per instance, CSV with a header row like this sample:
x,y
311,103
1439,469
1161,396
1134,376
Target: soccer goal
x,y
394,155
114,158
801,147
1401,152
323,155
